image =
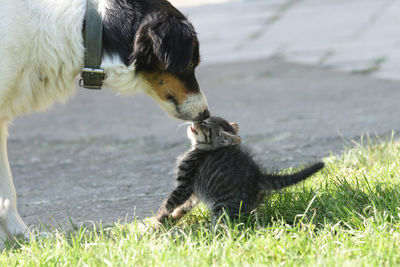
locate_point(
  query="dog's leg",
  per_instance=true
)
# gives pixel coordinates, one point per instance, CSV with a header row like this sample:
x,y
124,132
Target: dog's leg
x,y
11,223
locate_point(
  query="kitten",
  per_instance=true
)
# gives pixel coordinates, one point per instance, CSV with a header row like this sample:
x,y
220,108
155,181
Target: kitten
x,y
220,172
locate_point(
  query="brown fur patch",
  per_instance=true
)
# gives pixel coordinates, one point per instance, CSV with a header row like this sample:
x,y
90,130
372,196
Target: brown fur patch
x,y
167,85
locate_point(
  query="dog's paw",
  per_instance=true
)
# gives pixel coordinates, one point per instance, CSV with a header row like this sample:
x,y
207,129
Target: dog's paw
x,y
39,235
11,224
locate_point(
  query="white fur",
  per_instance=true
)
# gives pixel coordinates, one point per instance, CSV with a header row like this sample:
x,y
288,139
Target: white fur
x,y
122,79
191,106
33,72
10,221
41,53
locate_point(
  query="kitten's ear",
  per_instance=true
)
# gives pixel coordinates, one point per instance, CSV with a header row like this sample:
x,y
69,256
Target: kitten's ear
x,y
231,139
235,126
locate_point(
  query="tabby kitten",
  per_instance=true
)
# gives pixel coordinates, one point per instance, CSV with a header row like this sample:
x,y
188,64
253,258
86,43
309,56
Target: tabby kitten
x,y
222,174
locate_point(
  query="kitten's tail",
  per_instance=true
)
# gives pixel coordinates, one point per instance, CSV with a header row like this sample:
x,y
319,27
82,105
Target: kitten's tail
x,y
277,181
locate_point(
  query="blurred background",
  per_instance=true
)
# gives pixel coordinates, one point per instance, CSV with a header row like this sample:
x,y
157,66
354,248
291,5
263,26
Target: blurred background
x,y
360,36
301,78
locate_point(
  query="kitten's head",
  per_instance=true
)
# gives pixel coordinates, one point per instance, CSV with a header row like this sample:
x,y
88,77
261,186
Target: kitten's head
x,y
213,133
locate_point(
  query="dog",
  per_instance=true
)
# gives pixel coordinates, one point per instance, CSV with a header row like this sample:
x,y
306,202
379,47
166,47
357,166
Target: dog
x,y
148,46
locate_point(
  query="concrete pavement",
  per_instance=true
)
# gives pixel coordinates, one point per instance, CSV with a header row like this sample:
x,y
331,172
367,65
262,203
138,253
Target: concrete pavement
x,y
360,36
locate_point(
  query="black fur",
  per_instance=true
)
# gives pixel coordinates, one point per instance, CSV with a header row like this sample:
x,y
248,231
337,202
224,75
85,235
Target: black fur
x,y
154,34
224,176
165,39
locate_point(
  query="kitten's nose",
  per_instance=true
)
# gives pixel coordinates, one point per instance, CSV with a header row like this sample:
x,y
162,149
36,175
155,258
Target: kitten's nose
x,y
203,115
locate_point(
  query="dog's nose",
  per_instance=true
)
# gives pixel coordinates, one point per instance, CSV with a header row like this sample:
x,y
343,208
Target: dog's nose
x,y
206,114
203,115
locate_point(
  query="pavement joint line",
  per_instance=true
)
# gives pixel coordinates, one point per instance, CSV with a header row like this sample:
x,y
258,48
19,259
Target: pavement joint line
x,y
281,11
325,57
373,19
373,68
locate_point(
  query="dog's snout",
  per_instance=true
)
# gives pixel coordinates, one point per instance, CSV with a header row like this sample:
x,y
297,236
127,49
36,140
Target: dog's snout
x,y
206,114
203,115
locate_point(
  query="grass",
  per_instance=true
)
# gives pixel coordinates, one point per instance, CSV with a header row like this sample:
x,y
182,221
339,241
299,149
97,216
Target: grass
x,y
346,215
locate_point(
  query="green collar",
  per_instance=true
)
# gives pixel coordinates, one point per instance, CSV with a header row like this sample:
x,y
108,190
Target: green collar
x,y
92,75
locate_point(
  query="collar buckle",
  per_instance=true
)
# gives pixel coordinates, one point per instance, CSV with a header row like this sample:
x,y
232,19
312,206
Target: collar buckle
x,y
92,75
92,78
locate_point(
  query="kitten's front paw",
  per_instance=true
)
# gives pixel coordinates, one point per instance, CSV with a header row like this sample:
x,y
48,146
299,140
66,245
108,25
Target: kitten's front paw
x,y
148,225
162,215
162,218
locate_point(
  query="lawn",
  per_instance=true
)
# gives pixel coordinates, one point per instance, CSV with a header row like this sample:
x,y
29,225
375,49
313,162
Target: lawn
x,y
348,214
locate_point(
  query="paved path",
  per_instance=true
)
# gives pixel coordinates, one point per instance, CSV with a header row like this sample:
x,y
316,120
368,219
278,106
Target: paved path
x,y
361,36
100,156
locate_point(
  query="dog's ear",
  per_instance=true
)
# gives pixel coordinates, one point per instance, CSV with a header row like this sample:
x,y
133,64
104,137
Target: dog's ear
x,y
143,55
171,40
174,43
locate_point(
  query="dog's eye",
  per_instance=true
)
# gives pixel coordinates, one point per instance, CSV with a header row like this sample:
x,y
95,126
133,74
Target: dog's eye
x,y
171,98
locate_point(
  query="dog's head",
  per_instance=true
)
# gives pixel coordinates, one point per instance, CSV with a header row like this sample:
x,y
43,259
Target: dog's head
x,y
166,54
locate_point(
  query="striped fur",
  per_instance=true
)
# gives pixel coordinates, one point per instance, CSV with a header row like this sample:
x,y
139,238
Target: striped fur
x,y
224,178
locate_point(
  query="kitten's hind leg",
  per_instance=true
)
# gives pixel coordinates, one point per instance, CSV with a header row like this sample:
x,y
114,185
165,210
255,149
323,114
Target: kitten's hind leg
x,y
218,214
185,208
176,199
224,213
